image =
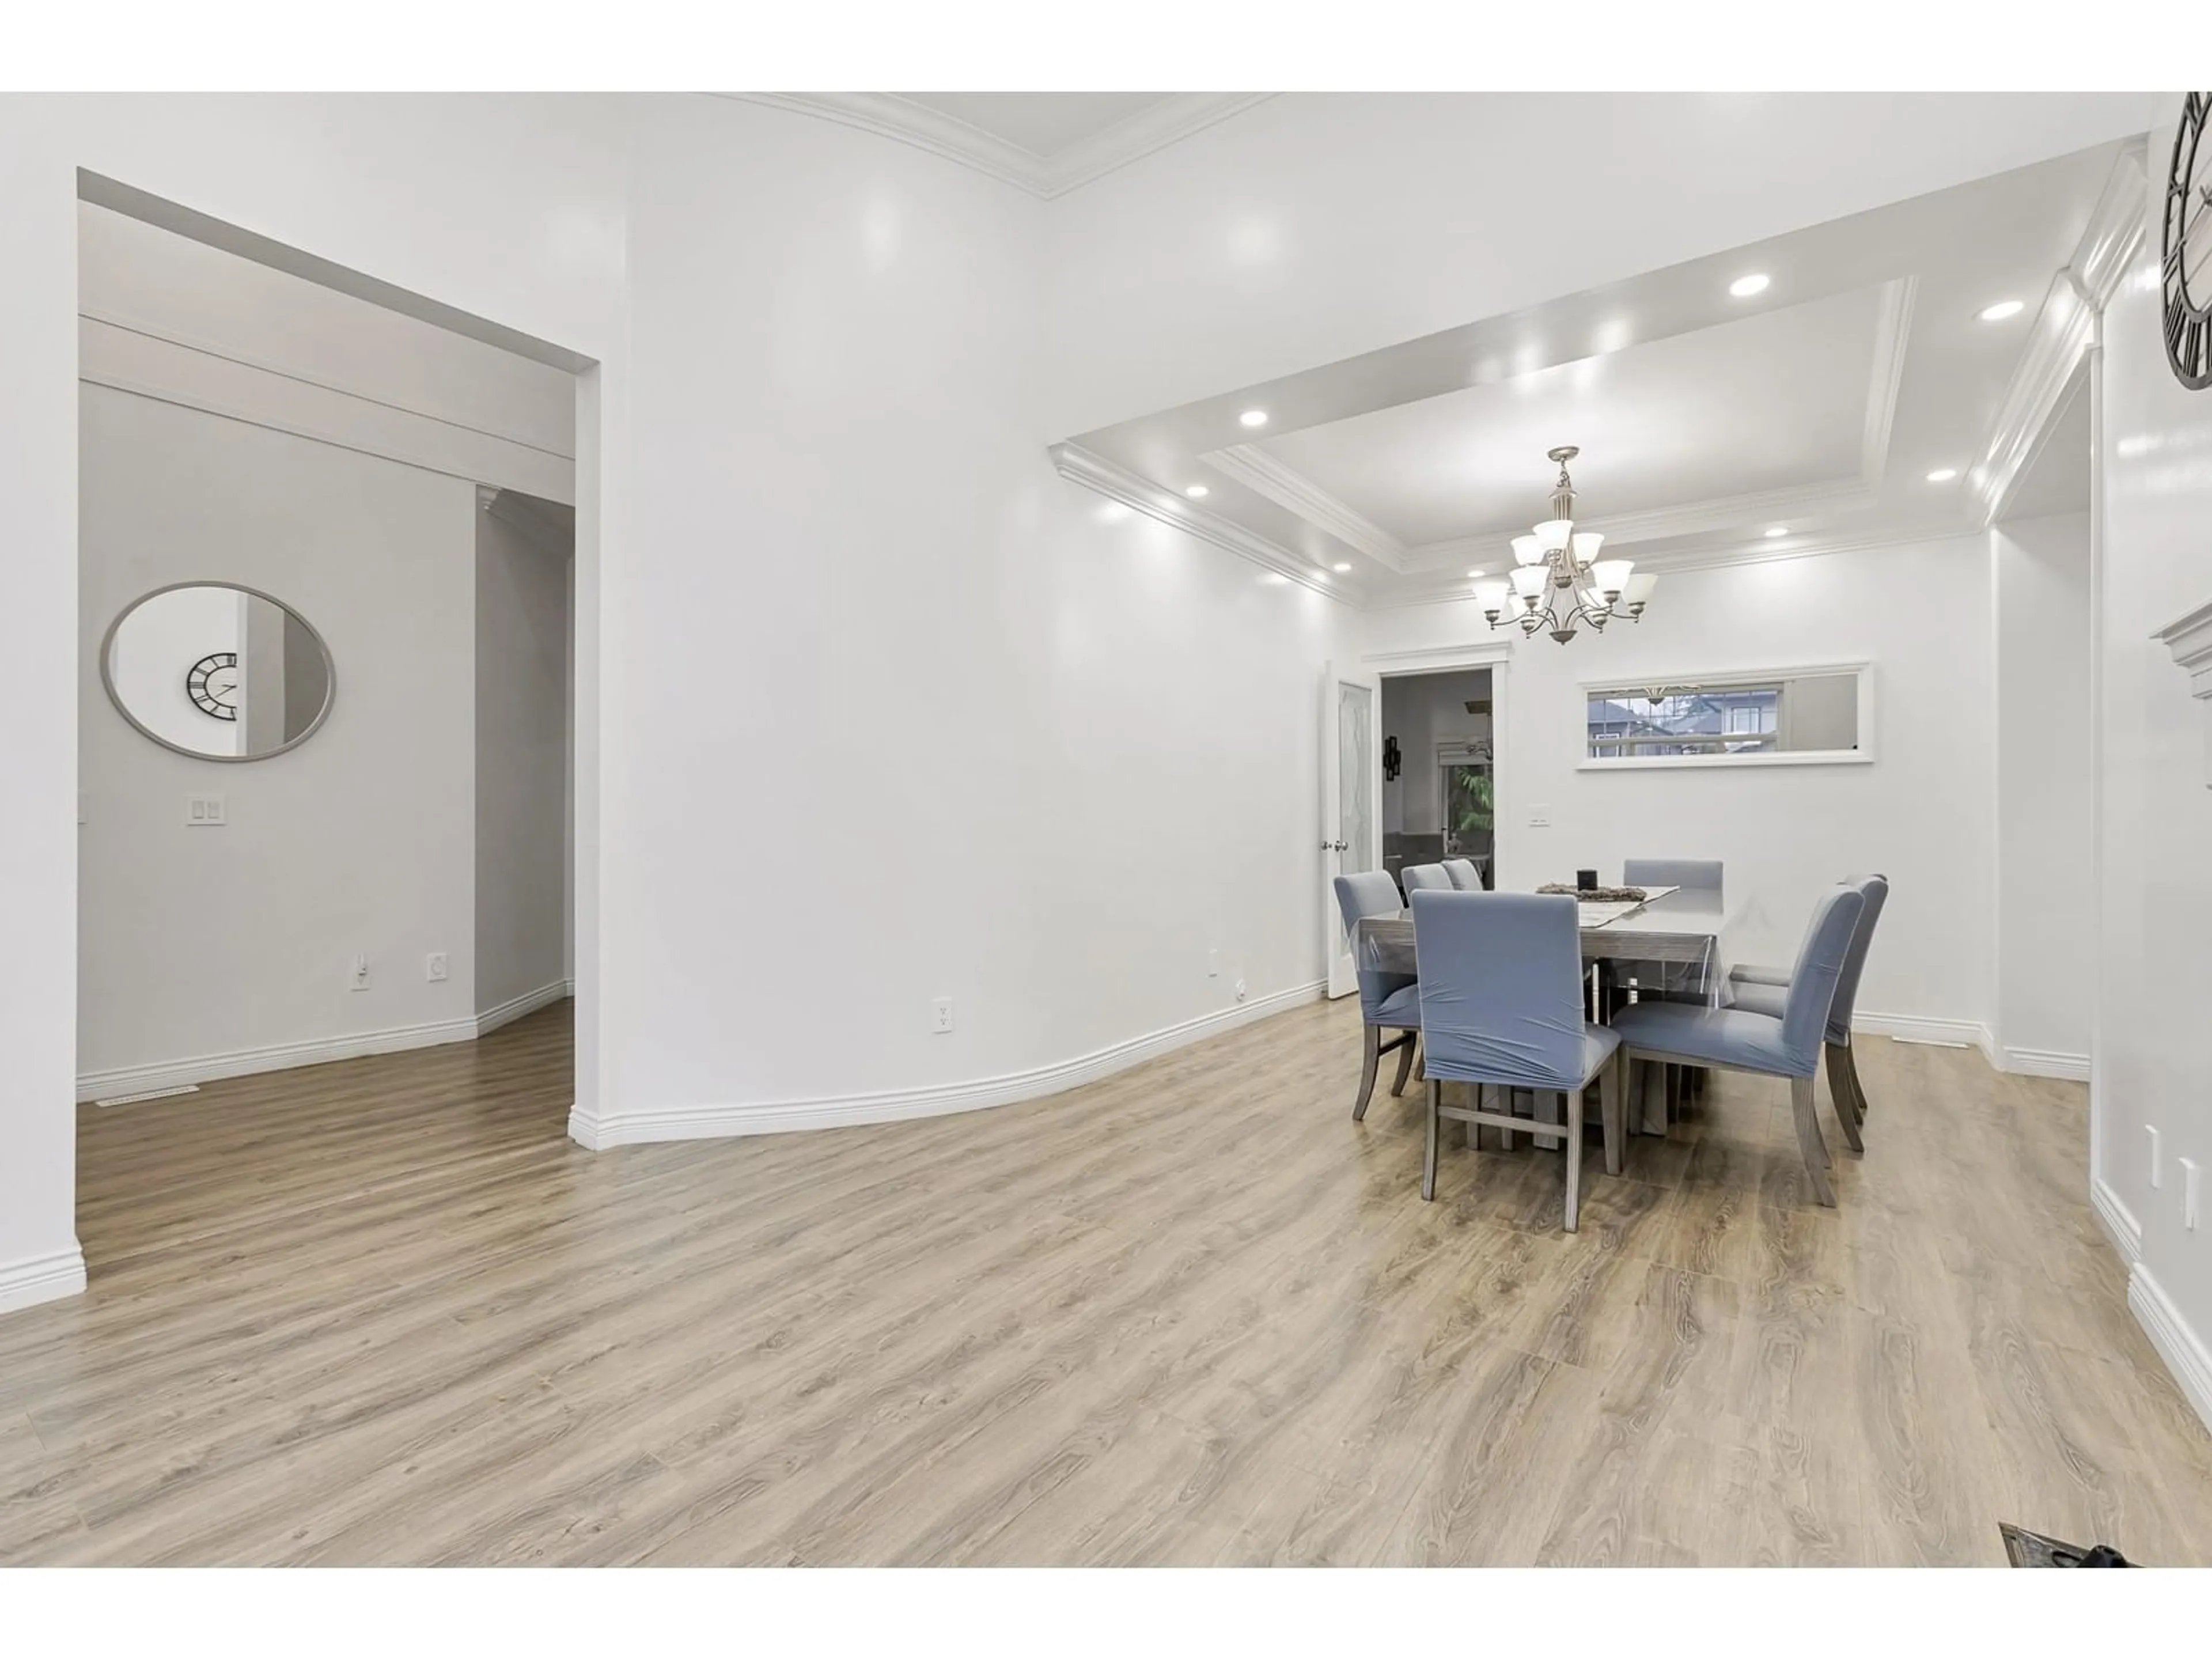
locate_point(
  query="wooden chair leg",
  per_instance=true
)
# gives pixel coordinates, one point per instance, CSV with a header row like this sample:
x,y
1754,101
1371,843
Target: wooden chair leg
x,y
1574,1158
1809,1143
1613,1090
1852,1073
1405,1061
1370,1055
1839,1096
1429,1153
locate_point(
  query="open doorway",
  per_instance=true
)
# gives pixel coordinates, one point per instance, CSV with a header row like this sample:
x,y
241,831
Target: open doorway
x,y
1439,791
328,592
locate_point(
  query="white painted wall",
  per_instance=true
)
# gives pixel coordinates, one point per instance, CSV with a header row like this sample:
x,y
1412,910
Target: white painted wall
x,y
1921,812
521,668
199,942
1050,753
2045,914
2155,885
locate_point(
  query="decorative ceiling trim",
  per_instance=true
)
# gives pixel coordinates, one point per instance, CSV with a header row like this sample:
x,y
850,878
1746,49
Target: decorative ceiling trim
x,y
887,115
1660,523
1253,466
1892,328
1285,486
1094,472
1756,552
2064,330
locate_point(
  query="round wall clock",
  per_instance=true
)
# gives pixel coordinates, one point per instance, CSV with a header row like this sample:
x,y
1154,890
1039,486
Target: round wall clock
x,y
213,684
2185,248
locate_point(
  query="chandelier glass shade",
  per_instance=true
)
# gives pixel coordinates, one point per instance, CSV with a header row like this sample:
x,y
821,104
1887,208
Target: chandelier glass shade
x,y
1559,582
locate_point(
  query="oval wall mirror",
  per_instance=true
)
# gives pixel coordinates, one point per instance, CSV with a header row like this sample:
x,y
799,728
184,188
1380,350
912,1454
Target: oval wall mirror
x,y
218,671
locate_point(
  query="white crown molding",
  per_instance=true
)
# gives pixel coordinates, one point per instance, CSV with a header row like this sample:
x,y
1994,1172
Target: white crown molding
x,y
1285,486
600,1131
1135,136
2064,329
41,1278
1661,523
1094,472
1449,589
2189,639
1892,329
523,511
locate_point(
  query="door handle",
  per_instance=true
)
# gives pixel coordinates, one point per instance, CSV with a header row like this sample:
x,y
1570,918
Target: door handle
x,y
1336,847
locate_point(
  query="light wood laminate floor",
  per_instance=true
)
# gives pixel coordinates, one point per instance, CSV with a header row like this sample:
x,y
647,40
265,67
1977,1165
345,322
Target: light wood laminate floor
x,y
383,1310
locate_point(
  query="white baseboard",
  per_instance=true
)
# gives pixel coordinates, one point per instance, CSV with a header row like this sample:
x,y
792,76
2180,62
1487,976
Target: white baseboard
x,y
278,1057
1965,1033
515,1007
622,1128
2119,1222
2183,1350
2045,1062
41,1278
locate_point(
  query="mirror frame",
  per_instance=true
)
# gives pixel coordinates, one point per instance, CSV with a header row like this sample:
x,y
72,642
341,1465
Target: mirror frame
x,y
1863,755
107,676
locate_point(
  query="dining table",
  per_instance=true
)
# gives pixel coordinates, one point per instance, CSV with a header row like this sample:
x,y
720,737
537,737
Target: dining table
x,y
1674,941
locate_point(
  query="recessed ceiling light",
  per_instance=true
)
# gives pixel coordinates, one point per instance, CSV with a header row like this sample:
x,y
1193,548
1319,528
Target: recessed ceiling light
x,y
1472,574
1774,530
1196,491
1744,287
1253,417
1943,475
2003,309
1347,566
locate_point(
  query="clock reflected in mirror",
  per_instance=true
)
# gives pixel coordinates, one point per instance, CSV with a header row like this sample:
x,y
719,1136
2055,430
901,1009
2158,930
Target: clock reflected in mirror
x,y
213,684
2185,248
218,671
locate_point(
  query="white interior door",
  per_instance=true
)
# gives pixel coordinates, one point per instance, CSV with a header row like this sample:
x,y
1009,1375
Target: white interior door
x,y
1351,821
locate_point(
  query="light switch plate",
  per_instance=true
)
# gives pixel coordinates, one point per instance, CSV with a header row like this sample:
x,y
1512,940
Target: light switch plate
x,y
1539,817
204,812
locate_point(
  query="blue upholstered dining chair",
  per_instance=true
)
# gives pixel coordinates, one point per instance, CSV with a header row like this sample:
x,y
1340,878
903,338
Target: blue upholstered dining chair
x,y
1671,873
1387,1001
1464,876
1766,991
1433,876
1502,1005
1738,1040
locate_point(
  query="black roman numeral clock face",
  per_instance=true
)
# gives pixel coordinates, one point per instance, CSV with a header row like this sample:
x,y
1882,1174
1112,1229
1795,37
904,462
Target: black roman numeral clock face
x,y
2185,248
213,684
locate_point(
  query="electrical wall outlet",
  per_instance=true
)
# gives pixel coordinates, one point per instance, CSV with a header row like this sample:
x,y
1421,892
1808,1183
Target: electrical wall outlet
x,y
433,967
1240,990
1213,964
940,1015
2191,1192
359,979
204,812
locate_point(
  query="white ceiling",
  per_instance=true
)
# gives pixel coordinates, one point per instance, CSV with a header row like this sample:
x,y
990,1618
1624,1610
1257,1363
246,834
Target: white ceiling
x,y
1045,124
1705,420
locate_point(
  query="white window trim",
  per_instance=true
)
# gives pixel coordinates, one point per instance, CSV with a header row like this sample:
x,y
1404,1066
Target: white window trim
x,y
1720,679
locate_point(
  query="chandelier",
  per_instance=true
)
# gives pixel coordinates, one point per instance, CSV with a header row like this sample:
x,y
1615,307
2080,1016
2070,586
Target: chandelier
x,y
1558,581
